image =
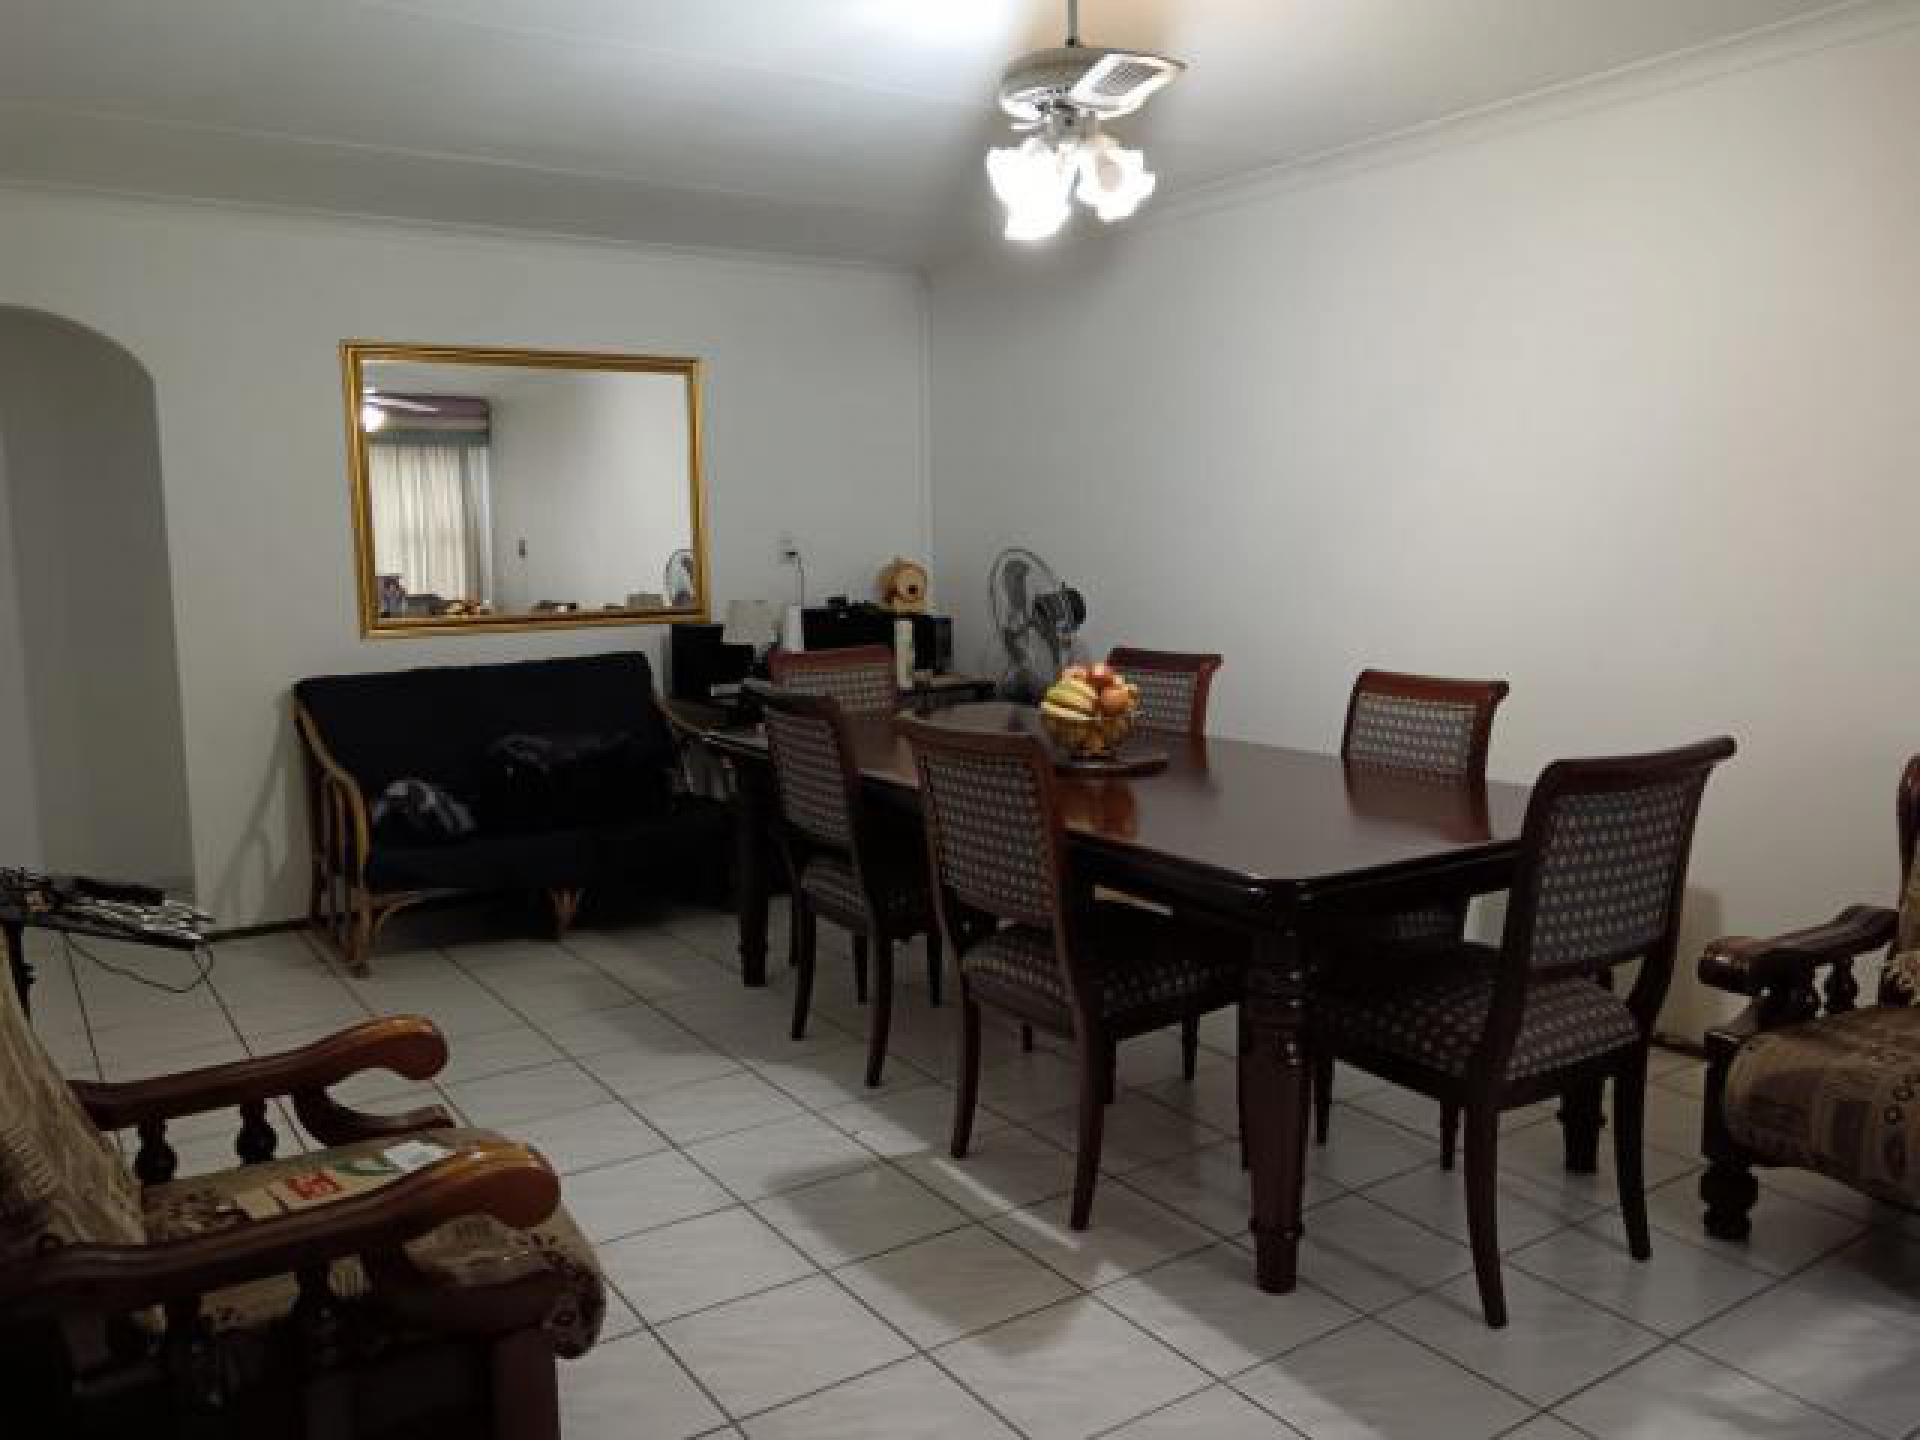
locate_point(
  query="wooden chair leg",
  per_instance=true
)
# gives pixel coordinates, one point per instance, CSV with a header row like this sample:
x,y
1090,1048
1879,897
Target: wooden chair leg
x,y
1189,1046
1320,1077
526,1392
1483,1209
1245,1038
1449,1132
969,1091
1728,1188
1026,1039
936,963
860,968
1629,1129
565,905
806,947
1095,1057
882,1016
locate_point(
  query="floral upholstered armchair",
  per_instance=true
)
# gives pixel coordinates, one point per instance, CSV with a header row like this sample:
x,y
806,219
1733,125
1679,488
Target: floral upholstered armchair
x,y
1806,1076
339,1293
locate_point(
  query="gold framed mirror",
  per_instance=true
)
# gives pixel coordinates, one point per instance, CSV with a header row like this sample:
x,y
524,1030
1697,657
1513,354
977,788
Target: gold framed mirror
x,y
498,489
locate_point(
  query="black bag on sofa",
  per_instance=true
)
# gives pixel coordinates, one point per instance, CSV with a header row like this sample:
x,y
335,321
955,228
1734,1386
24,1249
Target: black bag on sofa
x,y
546,782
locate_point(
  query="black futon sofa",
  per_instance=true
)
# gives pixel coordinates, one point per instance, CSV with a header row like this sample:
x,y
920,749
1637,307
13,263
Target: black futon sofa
x,y
545,776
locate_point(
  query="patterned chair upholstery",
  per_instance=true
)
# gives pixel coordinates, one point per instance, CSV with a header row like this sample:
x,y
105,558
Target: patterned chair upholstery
x,y
1174,686
475,1251
1434,730
1599,883
849,867
860,677
68,1199
1031,945
1806,1077
1436,1022
61,1181
1835,1095
1142,968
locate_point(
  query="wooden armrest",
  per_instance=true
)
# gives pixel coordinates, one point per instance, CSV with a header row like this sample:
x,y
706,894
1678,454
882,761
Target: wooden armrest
x,y
509,1182
1743,965
332,773
407,1045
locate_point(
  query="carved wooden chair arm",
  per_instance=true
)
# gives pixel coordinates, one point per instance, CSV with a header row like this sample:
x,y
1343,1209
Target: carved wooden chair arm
x,y
335,799
406,1045
1743,965
509,1182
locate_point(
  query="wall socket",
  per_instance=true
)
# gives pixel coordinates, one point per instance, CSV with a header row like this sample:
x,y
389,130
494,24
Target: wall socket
x,y
789,548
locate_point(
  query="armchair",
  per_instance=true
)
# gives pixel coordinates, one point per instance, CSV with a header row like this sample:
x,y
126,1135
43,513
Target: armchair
x,y
140,1303
1804,1076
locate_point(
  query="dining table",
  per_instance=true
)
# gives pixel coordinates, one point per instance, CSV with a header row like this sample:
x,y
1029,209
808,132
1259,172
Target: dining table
x,y
1283,847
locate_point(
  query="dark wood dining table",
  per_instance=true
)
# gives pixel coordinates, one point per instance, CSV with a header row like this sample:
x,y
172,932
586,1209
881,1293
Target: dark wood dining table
x,y
1276,844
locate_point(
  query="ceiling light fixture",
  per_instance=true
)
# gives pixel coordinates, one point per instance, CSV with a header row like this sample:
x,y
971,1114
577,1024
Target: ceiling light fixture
x,y
1062,95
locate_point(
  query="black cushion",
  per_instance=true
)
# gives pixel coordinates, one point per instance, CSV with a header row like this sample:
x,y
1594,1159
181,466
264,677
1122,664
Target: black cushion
x,y
436,723
547,859
605,810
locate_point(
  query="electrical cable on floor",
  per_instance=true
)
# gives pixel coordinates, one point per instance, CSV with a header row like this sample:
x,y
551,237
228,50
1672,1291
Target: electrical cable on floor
x,y
202,961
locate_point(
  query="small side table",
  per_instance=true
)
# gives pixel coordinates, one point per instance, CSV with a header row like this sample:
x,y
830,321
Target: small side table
x,y
42,905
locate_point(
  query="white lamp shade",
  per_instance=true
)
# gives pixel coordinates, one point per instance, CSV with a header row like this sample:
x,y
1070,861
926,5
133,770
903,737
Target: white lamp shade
x,y
1113,179
751,622
1034,182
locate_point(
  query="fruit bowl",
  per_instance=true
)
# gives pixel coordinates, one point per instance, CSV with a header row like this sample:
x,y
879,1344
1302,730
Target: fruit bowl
x,y
1089,710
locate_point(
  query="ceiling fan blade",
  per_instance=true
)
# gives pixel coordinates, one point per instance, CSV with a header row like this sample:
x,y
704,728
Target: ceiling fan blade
x,y
388,402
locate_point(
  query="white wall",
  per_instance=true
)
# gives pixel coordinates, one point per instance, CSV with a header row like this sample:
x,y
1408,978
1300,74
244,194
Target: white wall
x,y
590,471
1620,404
89,655
814,423
19,790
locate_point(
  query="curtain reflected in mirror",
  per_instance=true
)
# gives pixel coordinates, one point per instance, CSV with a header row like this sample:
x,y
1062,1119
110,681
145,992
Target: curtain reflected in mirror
x,y
510,488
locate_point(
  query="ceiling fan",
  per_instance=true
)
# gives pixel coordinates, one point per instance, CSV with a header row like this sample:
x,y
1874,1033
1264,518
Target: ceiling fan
x,y
1063,95
374,407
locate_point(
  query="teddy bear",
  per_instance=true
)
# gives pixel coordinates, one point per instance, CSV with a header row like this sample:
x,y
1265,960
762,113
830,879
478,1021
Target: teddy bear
x,y
902,587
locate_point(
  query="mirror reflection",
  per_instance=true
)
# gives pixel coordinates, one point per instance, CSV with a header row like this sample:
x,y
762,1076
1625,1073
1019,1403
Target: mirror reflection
x,y
512,488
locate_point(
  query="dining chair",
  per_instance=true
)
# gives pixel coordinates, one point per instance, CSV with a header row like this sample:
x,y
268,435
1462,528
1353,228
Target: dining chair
x,y
1433,728
1030,939
1174,686
860,677
1601,876
848,865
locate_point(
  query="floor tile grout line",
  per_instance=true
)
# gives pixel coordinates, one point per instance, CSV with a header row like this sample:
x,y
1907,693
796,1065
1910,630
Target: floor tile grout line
x,y
1215,1383
1812,1405
930,1358
982,1222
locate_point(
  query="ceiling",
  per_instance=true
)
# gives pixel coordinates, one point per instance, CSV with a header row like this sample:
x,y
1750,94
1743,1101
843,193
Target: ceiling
x,y
849,128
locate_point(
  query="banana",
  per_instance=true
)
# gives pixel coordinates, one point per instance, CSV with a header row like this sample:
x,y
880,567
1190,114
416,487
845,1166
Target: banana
x,y
1081,692
1061,712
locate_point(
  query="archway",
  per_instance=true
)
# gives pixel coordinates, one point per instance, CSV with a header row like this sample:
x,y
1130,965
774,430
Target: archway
x,y
92,753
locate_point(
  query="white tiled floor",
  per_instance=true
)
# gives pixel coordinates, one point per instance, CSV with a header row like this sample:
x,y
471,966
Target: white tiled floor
x,y
794,1256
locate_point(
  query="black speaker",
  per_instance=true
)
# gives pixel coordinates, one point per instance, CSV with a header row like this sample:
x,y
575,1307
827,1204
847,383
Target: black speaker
x,y
933,643
699,659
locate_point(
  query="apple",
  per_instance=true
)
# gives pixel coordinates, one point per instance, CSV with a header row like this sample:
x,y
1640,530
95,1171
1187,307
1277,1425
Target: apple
x,y
1114,700
1075,672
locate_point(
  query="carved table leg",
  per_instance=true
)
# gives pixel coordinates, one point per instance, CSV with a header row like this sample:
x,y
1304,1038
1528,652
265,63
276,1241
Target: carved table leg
x,y
753,809
1273,1076
1581,1120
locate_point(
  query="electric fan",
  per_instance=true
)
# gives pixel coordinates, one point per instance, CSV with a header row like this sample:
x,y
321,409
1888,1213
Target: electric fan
x,y
1037,618
677,582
